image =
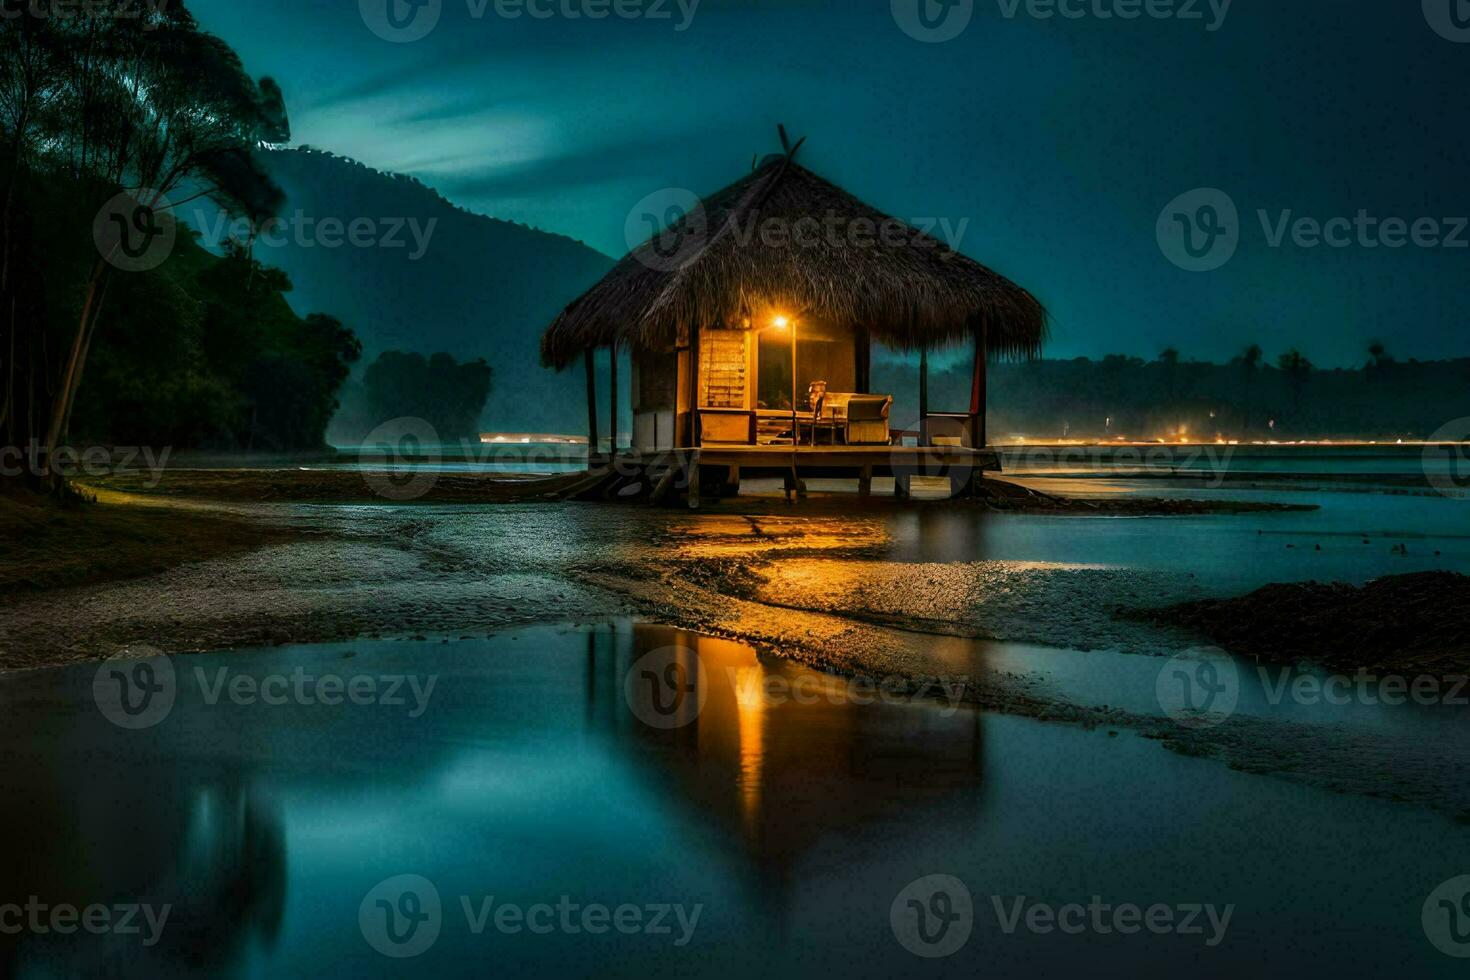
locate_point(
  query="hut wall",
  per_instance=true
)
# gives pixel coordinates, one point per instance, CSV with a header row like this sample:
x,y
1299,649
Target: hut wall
x,y
655,393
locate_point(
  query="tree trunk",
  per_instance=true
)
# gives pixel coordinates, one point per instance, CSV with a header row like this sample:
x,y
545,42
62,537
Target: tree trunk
x,y
62,400
71,402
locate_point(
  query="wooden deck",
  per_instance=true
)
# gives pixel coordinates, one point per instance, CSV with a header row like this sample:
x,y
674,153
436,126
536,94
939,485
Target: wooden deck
x,y
718,469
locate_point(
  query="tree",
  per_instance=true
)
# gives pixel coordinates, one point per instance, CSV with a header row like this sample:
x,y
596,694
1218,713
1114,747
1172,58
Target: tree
x,y
449,396
1298,369
155,103
1379,359
1248,362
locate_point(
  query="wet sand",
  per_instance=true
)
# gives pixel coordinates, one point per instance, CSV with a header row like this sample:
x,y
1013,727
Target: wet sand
x,y
818,583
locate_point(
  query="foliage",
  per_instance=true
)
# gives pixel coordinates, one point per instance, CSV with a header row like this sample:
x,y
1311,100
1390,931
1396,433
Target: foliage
x,y
200,351
1242,399
449,395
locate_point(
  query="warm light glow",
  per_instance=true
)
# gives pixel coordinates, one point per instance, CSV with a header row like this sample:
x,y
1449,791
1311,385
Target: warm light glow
x,y
780,323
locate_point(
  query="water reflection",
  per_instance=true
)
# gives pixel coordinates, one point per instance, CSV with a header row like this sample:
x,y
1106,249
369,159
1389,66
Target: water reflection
x,y
196,813
791,814
209,846
781,756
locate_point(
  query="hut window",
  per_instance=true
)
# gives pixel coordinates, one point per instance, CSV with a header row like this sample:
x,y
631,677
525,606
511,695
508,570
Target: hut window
x,y
722,368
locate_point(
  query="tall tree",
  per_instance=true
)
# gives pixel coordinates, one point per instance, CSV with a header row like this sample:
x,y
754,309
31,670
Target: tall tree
x,y
161,106
1298,369
1248,362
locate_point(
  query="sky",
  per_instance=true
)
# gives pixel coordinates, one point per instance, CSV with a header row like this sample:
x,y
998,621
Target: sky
x,y
1061,142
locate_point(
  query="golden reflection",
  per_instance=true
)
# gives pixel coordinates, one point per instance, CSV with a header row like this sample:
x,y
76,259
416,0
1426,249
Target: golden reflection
x,y
783,754
750,701
730,536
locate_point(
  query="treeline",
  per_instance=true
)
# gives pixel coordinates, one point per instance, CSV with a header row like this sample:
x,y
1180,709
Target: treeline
x,y
1252,397
175,345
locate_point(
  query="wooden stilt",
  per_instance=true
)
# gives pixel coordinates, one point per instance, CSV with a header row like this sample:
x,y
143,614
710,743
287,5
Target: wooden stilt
x,y
612,418
923,396
865,482
591,407
693,481
979,383
665,484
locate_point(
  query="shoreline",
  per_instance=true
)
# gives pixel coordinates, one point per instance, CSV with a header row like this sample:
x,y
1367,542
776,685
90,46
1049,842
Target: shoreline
x,y
812,583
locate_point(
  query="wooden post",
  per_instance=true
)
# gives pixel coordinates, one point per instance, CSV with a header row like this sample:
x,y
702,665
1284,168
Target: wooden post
x,y
612,422
979,384
863,357
694,388
923,396
865,481
591,406
694,480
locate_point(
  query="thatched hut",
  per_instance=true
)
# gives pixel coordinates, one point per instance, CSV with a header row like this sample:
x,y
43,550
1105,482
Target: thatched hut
x,y
750,319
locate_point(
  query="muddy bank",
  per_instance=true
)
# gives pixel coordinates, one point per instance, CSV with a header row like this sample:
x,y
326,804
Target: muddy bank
x,y
47,545
817,583
1400,622
303,485
424,487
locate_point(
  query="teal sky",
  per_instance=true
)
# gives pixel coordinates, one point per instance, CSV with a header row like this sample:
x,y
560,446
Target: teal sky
x,y
1055,142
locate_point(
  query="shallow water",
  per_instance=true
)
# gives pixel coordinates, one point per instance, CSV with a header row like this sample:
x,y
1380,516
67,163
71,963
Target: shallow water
x,y
531,773
1351,538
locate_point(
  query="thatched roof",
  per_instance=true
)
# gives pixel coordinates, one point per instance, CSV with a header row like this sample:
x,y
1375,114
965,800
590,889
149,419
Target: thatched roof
x,y
783,240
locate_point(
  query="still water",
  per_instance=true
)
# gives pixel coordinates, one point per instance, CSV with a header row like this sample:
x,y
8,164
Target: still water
x,y
791,824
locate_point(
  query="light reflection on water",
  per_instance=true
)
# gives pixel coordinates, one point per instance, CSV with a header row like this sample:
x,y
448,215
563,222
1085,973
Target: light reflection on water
x,y
794,822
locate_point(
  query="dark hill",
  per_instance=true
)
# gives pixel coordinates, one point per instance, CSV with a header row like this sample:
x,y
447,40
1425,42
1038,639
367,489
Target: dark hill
x,y
481,287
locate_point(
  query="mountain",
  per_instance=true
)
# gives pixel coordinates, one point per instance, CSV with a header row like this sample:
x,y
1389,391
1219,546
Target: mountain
x,y
422,274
